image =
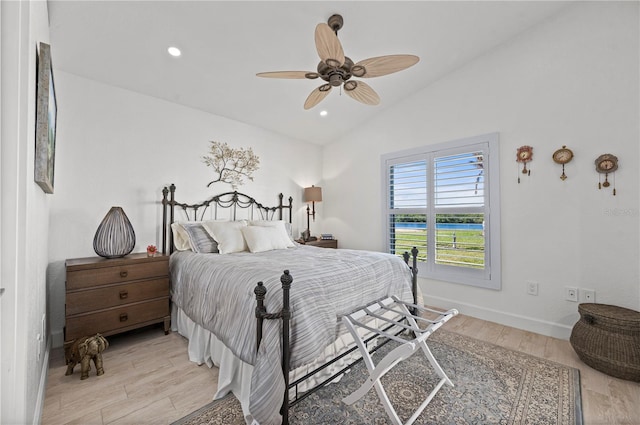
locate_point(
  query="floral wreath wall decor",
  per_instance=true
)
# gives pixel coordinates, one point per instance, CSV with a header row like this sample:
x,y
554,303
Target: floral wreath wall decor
x,y
231,165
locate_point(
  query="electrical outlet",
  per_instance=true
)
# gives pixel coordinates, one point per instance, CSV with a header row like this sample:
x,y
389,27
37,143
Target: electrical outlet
x,y
587,296
532,287
571,293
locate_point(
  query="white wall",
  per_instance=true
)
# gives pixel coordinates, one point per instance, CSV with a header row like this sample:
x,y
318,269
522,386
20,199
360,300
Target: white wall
x,y
24,212
570,81
120,148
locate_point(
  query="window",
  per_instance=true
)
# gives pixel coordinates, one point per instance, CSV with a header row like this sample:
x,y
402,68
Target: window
x,y
444,200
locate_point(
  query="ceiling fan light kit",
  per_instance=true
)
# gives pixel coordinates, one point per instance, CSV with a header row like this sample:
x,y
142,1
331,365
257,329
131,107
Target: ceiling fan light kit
x,y
337,69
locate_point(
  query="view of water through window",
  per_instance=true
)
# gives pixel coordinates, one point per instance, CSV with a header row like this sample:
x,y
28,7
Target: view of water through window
x,y
458,187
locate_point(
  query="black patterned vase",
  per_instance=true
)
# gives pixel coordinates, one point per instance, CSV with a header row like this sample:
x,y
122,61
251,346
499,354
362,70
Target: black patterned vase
x,y
115,236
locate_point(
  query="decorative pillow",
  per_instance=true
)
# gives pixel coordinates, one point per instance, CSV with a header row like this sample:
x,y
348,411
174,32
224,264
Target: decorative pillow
x,y
282,233
227,234
199,238
180,237
263,238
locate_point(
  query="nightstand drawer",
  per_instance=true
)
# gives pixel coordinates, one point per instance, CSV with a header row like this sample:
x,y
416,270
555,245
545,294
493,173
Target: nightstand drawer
x,y
116,319
79,279
114,295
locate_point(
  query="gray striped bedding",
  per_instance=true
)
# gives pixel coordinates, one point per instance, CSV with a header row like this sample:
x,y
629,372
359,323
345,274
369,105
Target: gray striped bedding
x,y
216,292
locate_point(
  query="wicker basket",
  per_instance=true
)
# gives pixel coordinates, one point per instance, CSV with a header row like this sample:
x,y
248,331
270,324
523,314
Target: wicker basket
x,y
607,338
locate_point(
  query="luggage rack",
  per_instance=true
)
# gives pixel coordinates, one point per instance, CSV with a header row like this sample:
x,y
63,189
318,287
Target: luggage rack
x,y
404,320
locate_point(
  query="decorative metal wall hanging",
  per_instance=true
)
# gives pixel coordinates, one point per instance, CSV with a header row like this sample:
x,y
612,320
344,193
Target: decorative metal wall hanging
x,y
524,155
231,165
606,164
563,156
115,236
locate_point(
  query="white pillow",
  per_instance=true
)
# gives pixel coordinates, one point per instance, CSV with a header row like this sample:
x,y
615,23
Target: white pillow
x,y
227,234
263,238
180,237
282,232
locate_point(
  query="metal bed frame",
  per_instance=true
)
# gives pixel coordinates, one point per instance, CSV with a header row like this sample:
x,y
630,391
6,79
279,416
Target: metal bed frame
x,y
233,201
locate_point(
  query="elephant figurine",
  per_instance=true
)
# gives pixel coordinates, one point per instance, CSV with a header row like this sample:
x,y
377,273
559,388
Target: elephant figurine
x,y
84,350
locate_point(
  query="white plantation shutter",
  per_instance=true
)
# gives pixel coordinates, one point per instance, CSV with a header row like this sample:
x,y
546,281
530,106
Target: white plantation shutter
x,y
438,199
459,179
407,183
460,200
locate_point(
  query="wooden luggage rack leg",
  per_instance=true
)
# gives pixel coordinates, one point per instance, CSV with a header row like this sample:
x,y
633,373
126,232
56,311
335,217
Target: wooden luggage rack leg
x,y
403,319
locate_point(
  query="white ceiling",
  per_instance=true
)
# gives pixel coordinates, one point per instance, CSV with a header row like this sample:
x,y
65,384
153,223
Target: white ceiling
x,y
225,43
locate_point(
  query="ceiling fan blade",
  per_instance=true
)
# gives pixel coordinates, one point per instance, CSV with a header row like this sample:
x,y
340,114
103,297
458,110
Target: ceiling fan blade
x,y
383,65
328,46
317,95
289,74
361,92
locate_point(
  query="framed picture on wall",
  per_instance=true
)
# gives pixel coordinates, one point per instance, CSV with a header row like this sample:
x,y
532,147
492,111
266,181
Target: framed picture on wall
x,y
46,114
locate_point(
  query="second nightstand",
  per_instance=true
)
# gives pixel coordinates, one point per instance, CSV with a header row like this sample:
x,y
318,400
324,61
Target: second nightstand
x,y
322,243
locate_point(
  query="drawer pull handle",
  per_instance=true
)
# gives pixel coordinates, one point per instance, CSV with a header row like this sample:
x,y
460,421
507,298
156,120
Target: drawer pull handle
x,y
124,273
123,295
124,317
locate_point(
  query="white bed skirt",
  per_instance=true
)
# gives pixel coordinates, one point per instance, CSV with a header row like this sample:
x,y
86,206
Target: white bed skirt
x,y
234,375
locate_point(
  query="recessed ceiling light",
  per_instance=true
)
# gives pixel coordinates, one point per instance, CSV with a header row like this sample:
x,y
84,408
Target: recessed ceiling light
x,y
323,113
174,51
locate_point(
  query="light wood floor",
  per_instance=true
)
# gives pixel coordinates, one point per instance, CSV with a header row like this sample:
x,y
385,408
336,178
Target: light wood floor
x,y
149,380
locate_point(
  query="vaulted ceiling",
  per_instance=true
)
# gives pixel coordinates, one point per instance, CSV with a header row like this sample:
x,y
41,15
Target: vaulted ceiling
x,y
225,43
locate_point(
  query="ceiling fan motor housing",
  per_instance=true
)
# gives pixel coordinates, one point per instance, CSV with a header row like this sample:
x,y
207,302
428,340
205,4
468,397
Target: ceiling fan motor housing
x,y
335,75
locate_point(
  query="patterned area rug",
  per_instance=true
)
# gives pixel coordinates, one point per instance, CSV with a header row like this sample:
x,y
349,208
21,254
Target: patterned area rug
x,y
492,385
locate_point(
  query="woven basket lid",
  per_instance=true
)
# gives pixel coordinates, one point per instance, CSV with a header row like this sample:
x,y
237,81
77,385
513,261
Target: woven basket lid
x,y
611,315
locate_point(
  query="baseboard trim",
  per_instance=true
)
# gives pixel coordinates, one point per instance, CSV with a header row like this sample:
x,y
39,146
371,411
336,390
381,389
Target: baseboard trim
x,y
42,388
555,330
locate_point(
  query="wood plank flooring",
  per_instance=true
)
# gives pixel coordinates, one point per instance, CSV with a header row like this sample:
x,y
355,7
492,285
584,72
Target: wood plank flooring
x,y
149,379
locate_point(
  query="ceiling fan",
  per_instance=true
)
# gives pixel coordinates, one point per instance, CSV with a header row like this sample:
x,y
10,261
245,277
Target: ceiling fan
x,y
337,69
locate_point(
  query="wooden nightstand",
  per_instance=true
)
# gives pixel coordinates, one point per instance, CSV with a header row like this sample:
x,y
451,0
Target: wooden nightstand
x,y
110,296
322,243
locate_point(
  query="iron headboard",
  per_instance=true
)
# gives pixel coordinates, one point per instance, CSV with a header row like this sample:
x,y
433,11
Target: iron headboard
x,y
230,201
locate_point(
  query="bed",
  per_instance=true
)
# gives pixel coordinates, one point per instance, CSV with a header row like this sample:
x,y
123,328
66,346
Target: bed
x,y
214,296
